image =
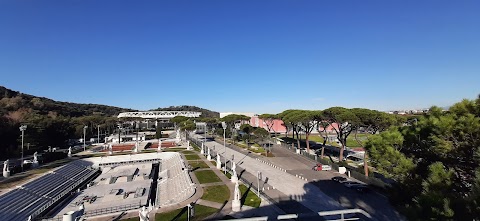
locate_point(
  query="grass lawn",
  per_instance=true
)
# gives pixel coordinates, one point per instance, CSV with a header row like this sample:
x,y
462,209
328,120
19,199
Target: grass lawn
x,y
218,194
192,157
198,164
201,212
188,152
207,176
173,149
195,147
251,199
259,150
228,175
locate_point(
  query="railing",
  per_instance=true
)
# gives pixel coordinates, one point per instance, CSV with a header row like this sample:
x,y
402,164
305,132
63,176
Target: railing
x,y
113,209
98,212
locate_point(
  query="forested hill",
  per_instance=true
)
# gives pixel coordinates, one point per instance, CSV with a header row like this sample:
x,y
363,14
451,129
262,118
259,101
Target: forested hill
x,y
205,112
11,101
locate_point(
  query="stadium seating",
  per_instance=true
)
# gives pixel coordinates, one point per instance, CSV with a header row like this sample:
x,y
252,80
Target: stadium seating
x,y
178,186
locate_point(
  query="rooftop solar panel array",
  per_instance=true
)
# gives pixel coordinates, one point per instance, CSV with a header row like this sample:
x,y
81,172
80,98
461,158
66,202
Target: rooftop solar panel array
x,y
38,195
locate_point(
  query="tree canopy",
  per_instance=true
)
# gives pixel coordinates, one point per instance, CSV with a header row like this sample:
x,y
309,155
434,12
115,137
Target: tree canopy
x,y
435,160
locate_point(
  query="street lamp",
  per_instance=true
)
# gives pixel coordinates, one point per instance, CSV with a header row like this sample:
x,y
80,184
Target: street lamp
x,y
84,133
119,132
259,177
98,134
205,132
137,126
22,129
224,125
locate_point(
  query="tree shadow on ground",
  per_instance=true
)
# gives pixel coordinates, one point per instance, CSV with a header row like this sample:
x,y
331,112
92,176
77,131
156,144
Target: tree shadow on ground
x,y
244,196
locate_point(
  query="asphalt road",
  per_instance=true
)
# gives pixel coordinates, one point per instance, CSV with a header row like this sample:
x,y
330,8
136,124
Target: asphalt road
x,y
319,193
374,203
292,187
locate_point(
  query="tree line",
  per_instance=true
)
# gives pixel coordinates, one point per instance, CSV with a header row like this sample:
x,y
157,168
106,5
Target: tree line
x,y
433,158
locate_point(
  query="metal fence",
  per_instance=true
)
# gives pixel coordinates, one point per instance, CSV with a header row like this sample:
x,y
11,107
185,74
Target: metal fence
x,y
97,212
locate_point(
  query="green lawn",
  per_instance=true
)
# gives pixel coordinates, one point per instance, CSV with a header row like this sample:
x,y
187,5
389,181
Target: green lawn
x,y
207,176
173,149
201,212
188,152
218,194
228,175
198,164
251,199
192,157
195,147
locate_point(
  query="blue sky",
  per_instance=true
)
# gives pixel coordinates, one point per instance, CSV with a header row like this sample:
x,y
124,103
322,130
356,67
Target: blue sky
x,y
250,55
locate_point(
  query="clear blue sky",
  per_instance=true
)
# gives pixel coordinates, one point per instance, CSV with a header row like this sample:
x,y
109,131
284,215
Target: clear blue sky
x,y
246,55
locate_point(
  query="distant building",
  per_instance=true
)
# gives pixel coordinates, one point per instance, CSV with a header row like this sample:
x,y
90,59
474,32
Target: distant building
x,y
277,126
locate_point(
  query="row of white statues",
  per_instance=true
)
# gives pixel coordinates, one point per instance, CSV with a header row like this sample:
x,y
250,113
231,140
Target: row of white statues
x,y
236,200
6,165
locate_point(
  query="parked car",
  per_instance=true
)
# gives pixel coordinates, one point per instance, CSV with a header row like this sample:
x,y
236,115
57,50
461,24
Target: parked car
x,y
351,184
326,168
339,179
321,167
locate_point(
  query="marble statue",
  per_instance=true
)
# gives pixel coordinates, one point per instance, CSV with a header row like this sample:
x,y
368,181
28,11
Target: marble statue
x,y
209,157
5,165
35,157
143,214
110,149
236,204
234,178
177,135
70,152
35,160
201,150
188,145
135,149
159,148
219,162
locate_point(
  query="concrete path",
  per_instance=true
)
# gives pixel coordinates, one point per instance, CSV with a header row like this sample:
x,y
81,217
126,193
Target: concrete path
x,y
210,204
212,184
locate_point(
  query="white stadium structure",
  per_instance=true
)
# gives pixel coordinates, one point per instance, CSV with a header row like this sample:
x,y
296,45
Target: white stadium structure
x,y
113,184
160,115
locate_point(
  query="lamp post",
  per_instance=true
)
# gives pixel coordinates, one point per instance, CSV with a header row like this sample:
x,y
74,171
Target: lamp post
x,y
137,126
84,133
119,132
224,125
259,177
98,133
22,129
